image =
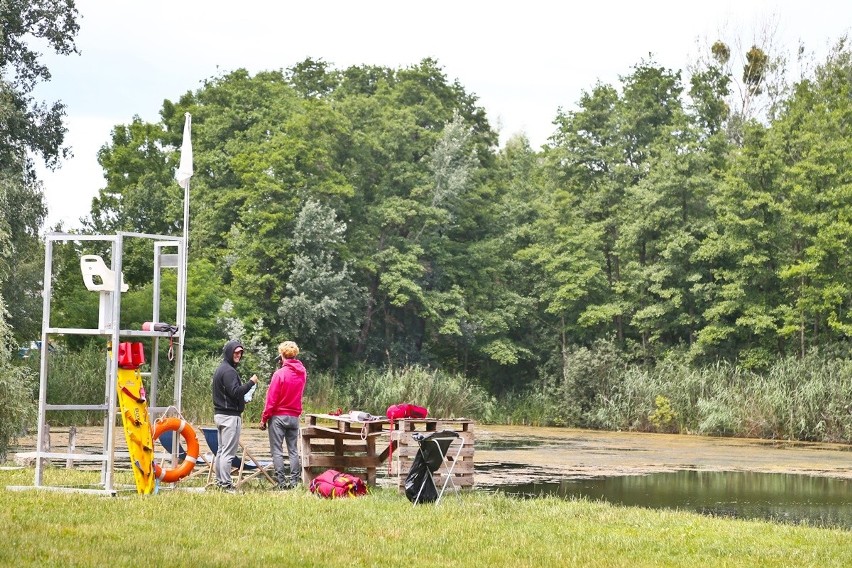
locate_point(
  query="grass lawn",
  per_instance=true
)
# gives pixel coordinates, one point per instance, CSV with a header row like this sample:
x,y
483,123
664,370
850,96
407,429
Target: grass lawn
x,y
295,528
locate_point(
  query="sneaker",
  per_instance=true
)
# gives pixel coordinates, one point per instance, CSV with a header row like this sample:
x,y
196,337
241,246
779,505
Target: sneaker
x,y
226,487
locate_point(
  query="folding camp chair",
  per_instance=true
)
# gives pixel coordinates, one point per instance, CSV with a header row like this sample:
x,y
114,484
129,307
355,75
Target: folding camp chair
x,y
167,439
433,453
246,467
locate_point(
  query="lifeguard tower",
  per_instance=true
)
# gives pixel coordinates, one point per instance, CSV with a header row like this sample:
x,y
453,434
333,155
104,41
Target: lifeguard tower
x,y
169,253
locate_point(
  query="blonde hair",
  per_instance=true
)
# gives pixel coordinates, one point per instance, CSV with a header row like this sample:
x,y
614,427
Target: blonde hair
x,y
288,349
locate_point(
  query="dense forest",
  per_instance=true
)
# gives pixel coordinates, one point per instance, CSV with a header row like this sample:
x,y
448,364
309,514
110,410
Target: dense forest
x,y
689,218
369,213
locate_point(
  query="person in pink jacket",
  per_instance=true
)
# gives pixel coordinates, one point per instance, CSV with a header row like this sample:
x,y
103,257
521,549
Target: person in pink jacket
x,y
282,411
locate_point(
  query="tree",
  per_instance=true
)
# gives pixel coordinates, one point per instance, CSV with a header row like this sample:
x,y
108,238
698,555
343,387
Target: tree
x,y
778,250
26,124
814,143
500,341
140,194
397,123
22,213
756,76
745,249
27,128
15,390
586,159
322,302
633,172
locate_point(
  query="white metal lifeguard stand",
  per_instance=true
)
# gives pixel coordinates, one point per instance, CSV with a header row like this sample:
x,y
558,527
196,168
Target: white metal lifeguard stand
x,y
98,278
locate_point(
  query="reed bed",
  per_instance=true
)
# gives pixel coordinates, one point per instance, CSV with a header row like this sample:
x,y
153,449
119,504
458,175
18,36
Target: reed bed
x,y
807,398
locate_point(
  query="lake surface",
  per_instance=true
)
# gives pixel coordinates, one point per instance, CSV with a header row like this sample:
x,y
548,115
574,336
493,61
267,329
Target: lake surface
x,y
784,481
789,498
790,482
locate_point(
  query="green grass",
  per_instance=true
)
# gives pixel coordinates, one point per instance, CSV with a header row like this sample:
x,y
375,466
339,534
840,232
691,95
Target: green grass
x,y
382,529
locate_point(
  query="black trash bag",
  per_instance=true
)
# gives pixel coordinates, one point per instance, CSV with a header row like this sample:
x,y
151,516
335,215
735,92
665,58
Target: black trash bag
x,y
429,458
419,477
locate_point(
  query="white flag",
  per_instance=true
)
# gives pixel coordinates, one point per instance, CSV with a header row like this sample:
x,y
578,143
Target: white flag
x,y
184,171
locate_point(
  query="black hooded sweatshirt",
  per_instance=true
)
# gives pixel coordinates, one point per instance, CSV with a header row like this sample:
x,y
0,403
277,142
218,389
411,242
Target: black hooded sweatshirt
x,y
228,389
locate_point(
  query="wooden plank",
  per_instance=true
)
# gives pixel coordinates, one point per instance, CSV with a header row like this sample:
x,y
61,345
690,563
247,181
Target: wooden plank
x,y
441,475
335,442
465,435
336,462
457,478
408,437
320,449
409,452
387,451
322,432
333,448
431,425
461,467
343,419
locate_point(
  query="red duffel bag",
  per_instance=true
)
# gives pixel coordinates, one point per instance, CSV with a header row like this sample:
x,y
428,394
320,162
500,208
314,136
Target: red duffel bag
x,y
332,483
405,410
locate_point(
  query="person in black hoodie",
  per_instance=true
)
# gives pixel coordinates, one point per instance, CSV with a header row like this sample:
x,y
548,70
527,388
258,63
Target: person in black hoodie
x,y
228,404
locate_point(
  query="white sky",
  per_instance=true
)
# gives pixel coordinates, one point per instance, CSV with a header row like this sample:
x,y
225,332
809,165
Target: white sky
x,y
523,60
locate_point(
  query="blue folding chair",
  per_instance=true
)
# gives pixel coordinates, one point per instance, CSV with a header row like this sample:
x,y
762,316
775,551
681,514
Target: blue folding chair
x,y
246,467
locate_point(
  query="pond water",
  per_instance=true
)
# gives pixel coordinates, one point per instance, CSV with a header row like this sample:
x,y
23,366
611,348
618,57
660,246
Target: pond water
x,y
817,501
782,481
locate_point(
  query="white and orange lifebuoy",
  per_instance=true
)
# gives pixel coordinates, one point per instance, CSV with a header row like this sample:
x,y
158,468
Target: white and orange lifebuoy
x,y
182,427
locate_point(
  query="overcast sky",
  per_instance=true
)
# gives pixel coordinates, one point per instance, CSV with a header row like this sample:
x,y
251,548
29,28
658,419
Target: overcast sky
x,y
523,60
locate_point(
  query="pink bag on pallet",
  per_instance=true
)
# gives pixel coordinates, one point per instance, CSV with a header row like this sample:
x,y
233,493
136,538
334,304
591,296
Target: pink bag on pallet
x,y
397,411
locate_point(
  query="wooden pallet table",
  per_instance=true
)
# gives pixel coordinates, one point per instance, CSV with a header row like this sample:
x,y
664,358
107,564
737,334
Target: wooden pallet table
x,y
344,444
354,446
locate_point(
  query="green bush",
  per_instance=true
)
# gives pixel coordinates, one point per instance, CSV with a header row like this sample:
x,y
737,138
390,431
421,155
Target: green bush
x,y
196,398
77,377
18,407
662,417
588,374
794,398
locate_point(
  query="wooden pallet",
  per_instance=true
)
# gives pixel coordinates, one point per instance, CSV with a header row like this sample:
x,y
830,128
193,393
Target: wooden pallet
x,y
345,445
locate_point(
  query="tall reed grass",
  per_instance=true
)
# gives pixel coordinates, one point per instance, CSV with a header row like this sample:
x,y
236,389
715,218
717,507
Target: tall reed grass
x,y
448,395
807,398
78,377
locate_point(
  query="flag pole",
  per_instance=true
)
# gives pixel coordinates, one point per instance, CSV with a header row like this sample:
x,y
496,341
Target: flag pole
x,y
183,175
185,258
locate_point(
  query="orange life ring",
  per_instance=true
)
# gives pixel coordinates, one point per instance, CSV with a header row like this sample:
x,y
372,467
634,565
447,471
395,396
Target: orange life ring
x,y
182,427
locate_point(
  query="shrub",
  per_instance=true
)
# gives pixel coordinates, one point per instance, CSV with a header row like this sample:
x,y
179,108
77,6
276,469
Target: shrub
x,y
18,407
588,374
663,416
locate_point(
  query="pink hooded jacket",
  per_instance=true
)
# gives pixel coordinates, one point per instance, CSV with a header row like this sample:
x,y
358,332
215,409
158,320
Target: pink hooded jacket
x,y
284,397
